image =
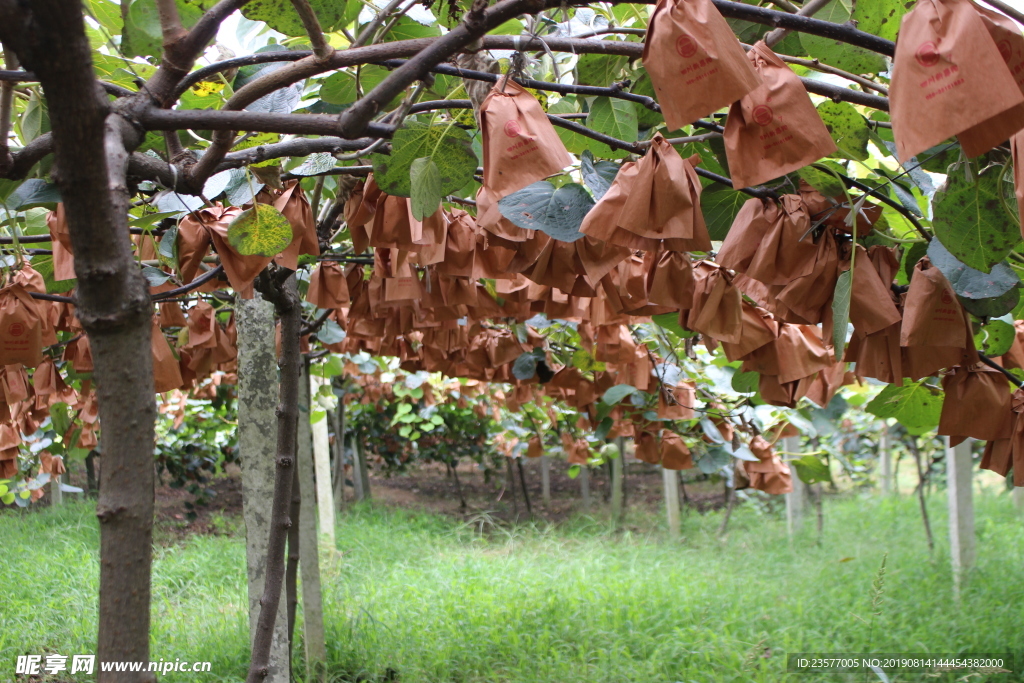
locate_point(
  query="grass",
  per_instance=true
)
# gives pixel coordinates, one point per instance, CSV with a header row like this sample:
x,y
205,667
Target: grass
x,y
433,600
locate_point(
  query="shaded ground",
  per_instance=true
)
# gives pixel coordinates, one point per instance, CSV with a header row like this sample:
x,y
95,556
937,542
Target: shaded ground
x,y
431,488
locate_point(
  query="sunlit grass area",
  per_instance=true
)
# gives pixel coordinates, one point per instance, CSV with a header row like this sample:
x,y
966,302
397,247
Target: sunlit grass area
x,y
418,597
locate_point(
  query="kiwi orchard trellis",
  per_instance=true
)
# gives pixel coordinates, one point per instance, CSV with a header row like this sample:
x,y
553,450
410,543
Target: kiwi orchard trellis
x,y
98,127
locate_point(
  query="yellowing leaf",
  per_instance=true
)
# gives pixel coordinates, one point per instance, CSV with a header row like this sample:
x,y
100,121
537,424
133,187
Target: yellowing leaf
x,y
204,88
260,231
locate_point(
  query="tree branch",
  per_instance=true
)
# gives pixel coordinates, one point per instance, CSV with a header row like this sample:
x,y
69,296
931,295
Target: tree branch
x,y
321,49
809,9
256,122
356,118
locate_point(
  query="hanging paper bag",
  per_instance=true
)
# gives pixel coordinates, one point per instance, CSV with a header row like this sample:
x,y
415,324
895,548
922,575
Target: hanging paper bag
x,y
774,129
520,145
696,64
948,76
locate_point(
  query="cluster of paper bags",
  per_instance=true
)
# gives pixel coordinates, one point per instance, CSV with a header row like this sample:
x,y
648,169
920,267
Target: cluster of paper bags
x,y
441,290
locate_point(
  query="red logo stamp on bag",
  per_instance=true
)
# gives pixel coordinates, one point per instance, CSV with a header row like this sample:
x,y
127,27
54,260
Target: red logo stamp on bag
x,y
16,330
946,297
927,54
1005,50
685,46
512,128
763,115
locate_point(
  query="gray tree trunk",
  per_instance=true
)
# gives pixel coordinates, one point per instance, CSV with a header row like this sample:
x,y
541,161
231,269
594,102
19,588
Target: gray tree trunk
x,y
257,427
309,556
363,472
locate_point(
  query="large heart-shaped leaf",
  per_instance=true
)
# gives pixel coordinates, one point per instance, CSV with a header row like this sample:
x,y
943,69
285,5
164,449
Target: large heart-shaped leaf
x,y
425,178
968,282
598,175
557,212
260,231
841,310
616,118
915,405
281,16
837,53
848,128
448,146
969,219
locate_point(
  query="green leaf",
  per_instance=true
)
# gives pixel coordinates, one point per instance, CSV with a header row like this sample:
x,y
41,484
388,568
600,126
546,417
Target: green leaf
x,y
837,53
600,70
598,175
574,471
970,283
746,382
32,193
143,36
43,263
583,360
720,205
281,16
407,28
670,322
330,333
915,405
525,367
574,142
425,179
995,338
848,128
260,231
811,469
7,498
315,164
448,146
880,17
823,181
646,118
969,219
841,310
616,393
616,118
557,212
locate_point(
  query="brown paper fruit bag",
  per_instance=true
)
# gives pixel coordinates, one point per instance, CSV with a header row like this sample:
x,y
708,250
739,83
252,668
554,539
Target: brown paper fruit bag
x,y
977,404
932,316
769,474
696,64
675,455
520,145
983,137
652,203
948,76
21,328
328,287
166,370
63,258
717,304
774,129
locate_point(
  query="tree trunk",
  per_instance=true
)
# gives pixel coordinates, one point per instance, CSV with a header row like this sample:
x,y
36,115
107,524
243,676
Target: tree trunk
x,y
922,479
288,308
92,488
322,466
309,554
545,480
364,471
617,466
357,468
458,486
585,487
339,456
522,483
257,402
291,577
113,305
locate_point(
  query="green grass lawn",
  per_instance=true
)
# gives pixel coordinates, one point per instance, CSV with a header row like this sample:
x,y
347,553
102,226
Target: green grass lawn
x,y
434,601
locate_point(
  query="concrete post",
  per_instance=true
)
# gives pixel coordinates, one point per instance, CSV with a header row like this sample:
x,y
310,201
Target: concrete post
x,y
670,478
959,476
1018,498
